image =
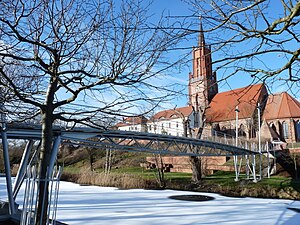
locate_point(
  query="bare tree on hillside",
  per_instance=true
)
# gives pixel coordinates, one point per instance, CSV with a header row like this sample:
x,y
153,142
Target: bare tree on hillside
x,y
108,160
78,61
259,37
91,157
159,170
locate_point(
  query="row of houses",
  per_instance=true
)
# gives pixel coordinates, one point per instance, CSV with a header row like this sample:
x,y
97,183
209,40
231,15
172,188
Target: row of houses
x,y
280,116
168,122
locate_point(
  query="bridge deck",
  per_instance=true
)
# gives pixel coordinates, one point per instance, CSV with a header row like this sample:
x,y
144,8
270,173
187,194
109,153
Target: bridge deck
x,y
133,141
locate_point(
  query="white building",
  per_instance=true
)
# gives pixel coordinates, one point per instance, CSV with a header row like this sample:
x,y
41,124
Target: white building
x,y
170,122
136,123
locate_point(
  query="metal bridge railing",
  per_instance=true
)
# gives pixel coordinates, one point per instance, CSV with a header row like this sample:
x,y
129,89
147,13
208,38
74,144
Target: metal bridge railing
x,y
31,195
224,138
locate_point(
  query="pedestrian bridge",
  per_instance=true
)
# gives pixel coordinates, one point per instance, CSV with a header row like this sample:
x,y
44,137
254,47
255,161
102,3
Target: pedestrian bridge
x,y
137,141
113,140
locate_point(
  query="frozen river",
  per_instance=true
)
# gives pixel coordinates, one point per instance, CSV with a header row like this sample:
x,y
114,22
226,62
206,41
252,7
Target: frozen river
x,y
91,205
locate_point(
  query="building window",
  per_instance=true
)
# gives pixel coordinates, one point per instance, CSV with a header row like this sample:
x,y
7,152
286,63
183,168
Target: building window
x,y
169,125
242,131
149,127
285,127
177,125
298,130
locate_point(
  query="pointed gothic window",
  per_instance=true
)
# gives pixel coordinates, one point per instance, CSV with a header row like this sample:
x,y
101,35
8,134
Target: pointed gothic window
x,y
298,130
242,131
285,128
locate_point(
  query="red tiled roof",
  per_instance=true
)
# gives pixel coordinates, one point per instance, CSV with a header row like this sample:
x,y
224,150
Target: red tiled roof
x,y
173,113
222,106
132,120
281,106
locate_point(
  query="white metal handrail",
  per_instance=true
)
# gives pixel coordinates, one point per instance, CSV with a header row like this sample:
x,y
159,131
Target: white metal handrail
x,y
31,195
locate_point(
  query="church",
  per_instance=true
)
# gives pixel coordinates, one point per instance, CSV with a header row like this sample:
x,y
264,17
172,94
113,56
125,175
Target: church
x,y
216,112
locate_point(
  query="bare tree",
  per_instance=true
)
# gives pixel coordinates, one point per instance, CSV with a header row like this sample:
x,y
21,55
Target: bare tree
x,y
78,61
258,37
187,132
91,154
196,161
108,160
159,170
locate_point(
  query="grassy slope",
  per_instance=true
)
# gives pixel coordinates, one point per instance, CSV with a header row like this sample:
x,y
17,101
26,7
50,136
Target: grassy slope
x,y
127,173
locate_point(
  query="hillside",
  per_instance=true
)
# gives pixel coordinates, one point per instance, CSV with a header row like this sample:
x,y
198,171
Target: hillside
x,y
89,166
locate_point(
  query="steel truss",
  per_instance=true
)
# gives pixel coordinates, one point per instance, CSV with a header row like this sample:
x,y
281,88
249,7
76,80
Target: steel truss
x,y
152,143
112,139
134,141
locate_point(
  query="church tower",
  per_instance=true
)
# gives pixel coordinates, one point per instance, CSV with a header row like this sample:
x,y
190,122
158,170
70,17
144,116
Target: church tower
x,y
202,81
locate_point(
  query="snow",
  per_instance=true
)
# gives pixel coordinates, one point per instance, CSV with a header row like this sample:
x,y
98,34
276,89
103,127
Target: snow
x,y
90,205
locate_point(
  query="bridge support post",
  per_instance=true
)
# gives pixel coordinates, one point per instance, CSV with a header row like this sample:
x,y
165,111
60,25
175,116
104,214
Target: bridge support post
x,y
268,157
235,158
11,201
54,154
253,169
247,167
22,170
275,167
259,140
236,167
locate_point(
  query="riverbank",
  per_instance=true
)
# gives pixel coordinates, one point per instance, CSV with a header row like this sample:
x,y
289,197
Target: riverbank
x,y
276,187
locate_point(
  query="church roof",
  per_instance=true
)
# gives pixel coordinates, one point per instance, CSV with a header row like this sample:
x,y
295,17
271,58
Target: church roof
x,y
281,106
222,106
173,113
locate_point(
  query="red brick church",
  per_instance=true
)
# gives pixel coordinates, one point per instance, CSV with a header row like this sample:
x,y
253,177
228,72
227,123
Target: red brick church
x,y
279,113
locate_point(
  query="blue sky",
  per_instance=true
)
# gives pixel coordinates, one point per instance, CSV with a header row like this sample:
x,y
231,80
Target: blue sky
x,y
179,8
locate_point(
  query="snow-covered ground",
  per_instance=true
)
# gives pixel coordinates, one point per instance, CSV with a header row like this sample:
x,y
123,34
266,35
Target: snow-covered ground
x,y
91,205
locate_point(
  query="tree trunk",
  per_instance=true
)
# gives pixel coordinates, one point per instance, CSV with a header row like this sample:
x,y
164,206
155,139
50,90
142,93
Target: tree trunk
x,y
90,152
194,160
196,168
91,162
43,163
160,176
108,160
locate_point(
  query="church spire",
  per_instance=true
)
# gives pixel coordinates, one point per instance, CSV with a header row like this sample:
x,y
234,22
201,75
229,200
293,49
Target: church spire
x,y
201,40
202,82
